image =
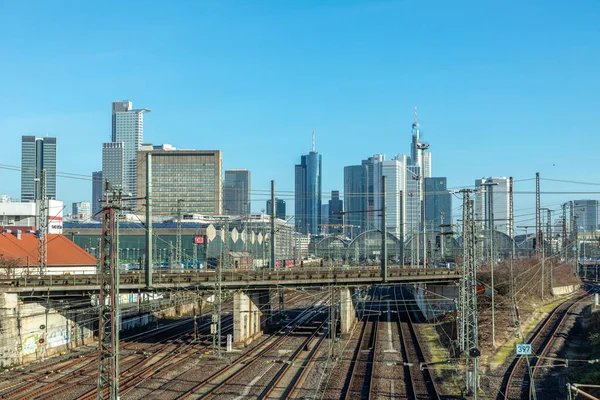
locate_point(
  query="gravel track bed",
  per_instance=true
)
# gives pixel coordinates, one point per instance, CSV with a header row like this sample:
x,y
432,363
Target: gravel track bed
x,y
254,379
388,368
550,382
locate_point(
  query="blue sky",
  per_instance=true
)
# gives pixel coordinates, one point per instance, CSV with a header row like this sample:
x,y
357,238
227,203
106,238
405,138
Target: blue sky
x,y
503,87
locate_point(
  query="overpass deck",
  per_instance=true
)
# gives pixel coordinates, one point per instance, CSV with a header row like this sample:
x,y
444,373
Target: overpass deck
x,y
231,279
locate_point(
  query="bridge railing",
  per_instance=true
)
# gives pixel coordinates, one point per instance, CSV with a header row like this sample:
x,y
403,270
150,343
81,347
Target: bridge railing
x,y
203,277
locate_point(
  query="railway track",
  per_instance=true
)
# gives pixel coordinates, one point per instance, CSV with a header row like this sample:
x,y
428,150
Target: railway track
x,y
419,381
249,364
360,379
518,383
65,378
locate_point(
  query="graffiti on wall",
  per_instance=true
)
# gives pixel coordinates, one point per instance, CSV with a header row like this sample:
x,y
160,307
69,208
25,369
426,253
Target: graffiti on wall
x,y
29,344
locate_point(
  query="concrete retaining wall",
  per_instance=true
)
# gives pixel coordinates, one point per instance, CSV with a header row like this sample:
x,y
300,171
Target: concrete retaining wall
x,y
561,290
32,331
435,300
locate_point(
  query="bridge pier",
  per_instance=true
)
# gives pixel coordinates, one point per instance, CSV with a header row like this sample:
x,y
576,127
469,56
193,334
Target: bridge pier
x,y
251,311
9,331
347,309
434,299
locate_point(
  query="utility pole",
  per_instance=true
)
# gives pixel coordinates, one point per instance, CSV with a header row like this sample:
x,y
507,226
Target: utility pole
x,y
43,226
573,227
422,147
468,319
384,269
511,225
442,237
108,332
273,216
150,255
178,249
490,196
564,232
549,238
538,216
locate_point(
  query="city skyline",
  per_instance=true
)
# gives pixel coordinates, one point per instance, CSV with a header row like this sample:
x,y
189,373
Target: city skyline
x,y
498,96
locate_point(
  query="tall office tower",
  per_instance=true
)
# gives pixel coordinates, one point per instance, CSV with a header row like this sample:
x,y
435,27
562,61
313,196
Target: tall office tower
x,y
401,188
81,210
236,192
279,208
355,199
308,193
373,167
586,212
128,128
362,195
97,192
194,176
336,207
336,218
415,153
113,165
438,204
497,187
37,154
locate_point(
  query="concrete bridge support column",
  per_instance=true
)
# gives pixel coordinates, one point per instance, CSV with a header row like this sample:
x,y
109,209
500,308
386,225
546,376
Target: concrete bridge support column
x,y
347,310
10,340
248,316
241,308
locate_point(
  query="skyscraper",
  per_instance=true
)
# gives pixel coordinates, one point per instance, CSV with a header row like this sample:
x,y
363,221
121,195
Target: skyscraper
x,y
113,165
497,188
586,212
308,193
279,208
336,207
438,203
236,192
128,128
402,204
193,176
37,154
362,195
415,153
97,191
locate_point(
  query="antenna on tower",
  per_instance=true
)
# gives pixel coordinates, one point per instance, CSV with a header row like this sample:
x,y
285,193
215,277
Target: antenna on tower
x,y
313,141
415,123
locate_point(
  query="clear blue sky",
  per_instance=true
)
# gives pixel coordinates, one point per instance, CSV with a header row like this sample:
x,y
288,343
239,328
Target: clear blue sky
x,y
503,88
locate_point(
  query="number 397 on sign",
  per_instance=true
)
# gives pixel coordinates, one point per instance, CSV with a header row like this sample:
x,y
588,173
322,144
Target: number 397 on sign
x,y
523,349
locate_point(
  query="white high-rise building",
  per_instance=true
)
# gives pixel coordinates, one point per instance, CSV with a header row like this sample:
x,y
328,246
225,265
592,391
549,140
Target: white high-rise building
x,y
402,196
128,128
497,187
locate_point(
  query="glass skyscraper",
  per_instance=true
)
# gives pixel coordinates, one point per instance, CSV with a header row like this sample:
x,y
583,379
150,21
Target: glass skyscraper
x,y
37,154
438,203
586,212
336,206
308,194
128,128
236,192
279,208
97,191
